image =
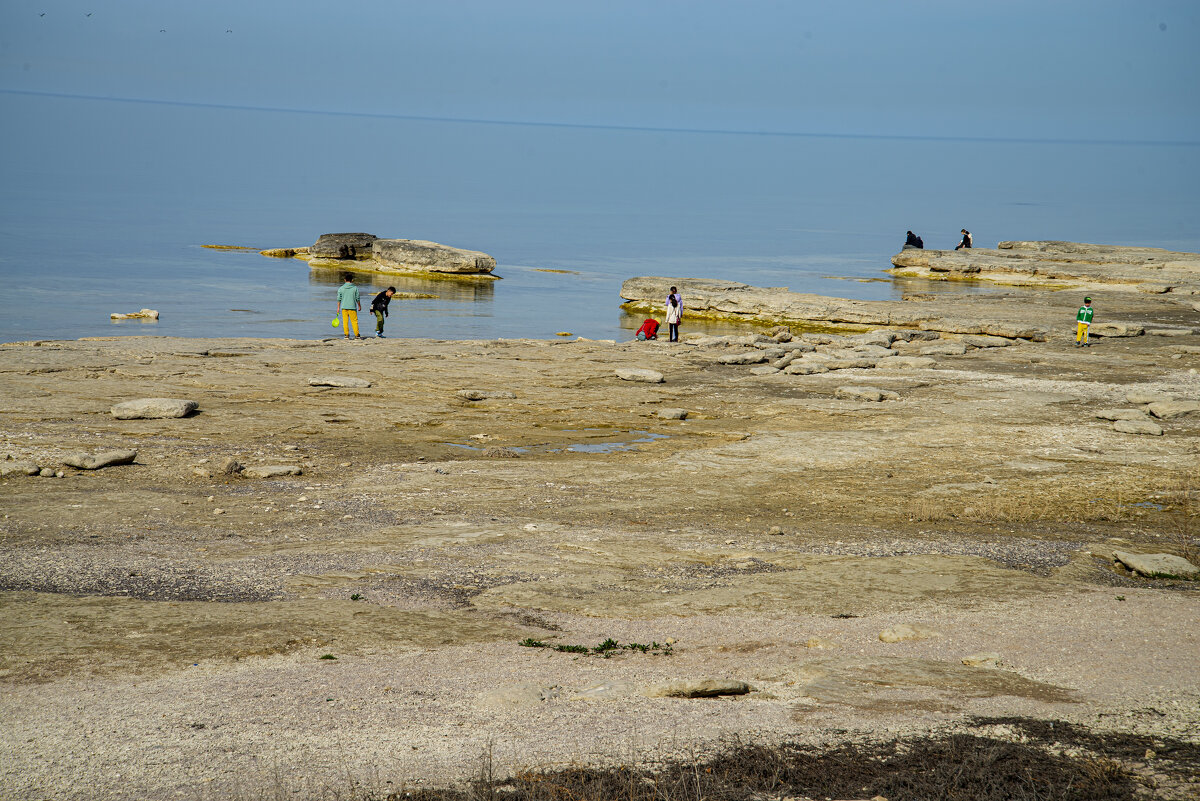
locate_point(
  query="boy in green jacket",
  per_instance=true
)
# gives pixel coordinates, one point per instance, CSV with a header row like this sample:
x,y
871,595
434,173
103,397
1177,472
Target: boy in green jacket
x,y
1082,320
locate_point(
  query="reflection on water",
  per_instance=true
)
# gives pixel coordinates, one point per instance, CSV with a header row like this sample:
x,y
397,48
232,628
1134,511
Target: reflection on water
x,y
464,289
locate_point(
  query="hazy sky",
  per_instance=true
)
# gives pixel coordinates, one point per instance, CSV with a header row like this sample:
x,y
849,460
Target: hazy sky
x,y
1086,69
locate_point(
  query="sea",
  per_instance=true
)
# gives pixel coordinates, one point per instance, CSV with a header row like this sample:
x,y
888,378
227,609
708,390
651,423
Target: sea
x,y
107,206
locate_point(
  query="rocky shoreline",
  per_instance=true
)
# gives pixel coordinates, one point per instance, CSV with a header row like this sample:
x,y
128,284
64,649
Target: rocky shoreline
x,y
233,566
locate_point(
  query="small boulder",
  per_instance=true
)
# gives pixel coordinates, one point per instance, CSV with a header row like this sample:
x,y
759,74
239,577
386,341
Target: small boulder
x,y
985,341
673,414
1165,410
18,468
698,688
905,631
986,659
153,409
1158,565
230,466
144,314
339,381
1138,427
1116,330
742,358
272,471
640,374
872,394
85,461
483,394
47,472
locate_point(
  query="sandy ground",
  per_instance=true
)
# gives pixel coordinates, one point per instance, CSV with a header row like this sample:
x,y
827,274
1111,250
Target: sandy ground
x,y
164,622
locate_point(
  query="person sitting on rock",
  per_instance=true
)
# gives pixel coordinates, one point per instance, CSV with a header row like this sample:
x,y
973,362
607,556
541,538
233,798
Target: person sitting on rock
x,y
1083,321
966,242
914,241
649,330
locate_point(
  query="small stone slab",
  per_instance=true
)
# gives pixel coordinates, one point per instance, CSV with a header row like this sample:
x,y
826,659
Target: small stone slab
x,y
673,414
1165,410
1120,414
742,358
805,368
640,374
764,369
698,688
85,461
985,341
1168,332
271,471
1138,427
906,363
986,659
1141,397
1158,565
873,394
1116,330
153,409
18,468
905,631
483,394
339,381
943,349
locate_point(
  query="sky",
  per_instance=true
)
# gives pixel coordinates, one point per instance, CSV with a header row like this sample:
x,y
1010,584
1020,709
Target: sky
x,y
1094,70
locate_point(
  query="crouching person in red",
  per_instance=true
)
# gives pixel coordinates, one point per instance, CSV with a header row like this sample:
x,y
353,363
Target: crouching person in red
x,y
649,330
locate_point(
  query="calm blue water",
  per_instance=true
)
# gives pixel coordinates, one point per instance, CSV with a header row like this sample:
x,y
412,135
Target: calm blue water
x,y
105,206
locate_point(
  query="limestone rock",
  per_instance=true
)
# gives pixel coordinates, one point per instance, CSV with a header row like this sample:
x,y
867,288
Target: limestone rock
x,y
422,256
18,468
484,394
1168,332
640,374
905,631
906,363
153,409
697,688
230,466
1158,565
873,394
802,367
144,314
1142,397
85,461
985,659
673,414
943,349
279,253
1120,414
985,341
764,369
1138,427
784,360
272,471
1110,329
1165,410
339,381
742,358
336,246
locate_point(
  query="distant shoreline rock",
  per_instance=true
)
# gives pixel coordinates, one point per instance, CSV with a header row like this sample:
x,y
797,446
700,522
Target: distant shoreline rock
x,y
367,252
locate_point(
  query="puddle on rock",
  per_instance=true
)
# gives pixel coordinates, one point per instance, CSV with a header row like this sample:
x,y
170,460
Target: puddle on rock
x,y
590,440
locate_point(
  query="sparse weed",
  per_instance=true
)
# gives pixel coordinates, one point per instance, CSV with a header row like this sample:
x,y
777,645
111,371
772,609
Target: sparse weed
x,y
603,650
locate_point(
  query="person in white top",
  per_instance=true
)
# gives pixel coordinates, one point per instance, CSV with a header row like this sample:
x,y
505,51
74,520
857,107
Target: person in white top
x,y
674,315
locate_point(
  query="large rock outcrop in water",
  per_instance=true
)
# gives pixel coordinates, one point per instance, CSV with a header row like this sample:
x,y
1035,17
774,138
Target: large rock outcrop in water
x,y
367,252
1059,264
421,256
732,300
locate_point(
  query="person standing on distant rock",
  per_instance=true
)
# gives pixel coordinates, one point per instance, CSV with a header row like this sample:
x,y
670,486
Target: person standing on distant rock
x,y
674,315
379,307
1083,321
966,242
914,241
349,305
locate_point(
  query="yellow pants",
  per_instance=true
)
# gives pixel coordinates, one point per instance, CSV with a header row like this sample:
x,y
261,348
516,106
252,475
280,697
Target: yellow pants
x,y
349,318
1081,333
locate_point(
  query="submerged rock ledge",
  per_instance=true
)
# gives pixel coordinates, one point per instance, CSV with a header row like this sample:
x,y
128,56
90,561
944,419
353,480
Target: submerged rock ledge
x,y
1059,264
367,252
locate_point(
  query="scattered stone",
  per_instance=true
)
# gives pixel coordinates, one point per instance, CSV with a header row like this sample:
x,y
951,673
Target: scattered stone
x,y
872,394
83,461
673,414
339,381
801,367
501,453
698,688
1168,332
640,374
764,369
144,314
943,349
230,466
1165,410
775,531
272,471
483,394
985,659
1138,427
1143,397
742,358
780,333
1120,414
46,472
153,409
905,631
1158,565
218,511
18,468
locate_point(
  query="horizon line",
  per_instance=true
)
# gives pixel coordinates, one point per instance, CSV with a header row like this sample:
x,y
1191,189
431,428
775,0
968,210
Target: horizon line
x,y
604,126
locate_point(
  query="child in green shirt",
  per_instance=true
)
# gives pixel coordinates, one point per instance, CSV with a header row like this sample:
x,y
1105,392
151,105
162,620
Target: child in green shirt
x,y
1083,319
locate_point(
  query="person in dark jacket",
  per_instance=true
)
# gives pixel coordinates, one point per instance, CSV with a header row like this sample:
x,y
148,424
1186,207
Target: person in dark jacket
x,y
914,241
379,307
966,242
